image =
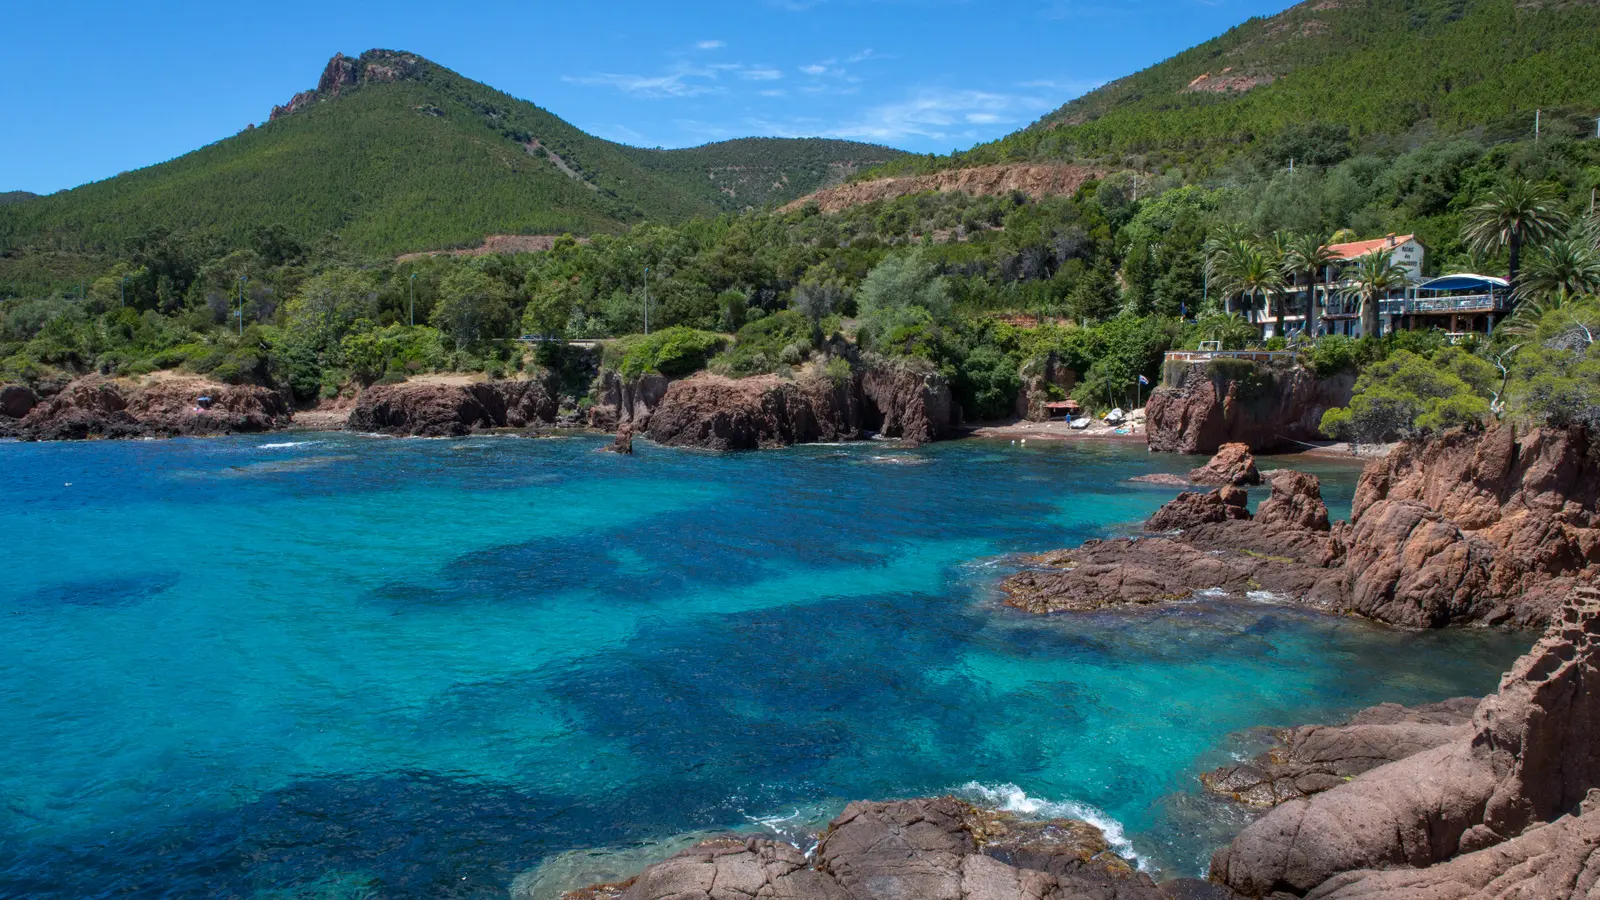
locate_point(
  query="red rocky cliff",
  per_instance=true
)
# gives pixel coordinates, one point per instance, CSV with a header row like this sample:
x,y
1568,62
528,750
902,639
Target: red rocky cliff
x,y
1210,406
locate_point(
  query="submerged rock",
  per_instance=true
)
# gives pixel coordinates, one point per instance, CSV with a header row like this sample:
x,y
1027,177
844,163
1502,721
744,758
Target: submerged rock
x,y
1513,789
930,849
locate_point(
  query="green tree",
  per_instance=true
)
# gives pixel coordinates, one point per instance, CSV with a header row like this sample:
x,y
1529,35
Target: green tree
x,y
1408,394
473,307
1304,257
328,305
1372,278
1516,213
1251,269
905,289
550,308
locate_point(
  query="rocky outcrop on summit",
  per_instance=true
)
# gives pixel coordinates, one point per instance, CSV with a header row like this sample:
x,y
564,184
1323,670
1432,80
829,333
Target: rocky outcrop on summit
x,y
343,73
982,181
1233,465
1472,527
930,849
1260,407
716,413
1505,810
95,407
451,410
1311,759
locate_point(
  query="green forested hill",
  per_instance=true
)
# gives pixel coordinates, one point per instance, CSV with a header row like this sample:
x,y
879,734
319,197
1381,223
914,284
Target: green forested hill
x,y
394,153
1374,67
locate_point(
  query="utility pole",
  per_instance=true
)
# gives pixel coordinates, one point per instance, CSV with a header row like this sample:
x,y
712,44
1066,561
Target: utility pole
x,y
413,317
1536,117
1291,165
242,280
646,299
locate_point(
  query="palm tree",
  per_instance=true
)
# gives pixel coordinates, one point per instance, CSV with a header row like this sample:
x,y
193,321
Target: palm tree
x,y
1562,269
1224,260
1309,254
1515,213
1252,271
1372,277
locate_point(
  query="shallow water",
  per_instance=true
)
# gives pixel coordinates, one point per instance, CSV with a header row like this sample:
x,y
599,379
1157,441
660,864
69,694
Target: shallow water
x,y
338,666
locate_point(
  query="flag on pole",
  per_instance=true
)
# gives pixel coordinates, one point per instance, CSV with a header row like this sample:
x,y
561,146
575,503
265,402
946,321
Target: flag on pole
x,y
1143,380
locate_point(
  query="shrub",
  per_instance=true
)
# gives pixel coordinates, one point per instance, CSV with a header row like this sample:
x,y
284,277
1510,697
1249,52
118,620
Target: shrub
x,y
674,351
760,345
1408,394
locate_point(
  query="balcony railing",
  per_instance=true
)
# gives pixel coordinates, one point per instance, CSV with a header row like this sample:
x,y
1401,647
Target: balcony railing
x,y
1260,356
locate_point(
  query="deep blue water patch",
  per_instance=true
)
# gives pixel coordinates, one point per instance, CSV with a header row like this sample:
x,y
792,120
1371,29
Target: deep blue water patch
x,y
341,666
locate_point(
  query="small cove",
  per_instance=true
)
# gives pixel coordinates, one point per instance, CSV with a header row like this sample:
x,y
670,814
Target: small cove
x,y
332,665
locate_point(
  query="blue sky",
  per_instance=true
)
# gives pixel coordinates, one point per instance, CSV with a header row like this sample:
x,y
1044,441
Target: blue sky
x,y
93,89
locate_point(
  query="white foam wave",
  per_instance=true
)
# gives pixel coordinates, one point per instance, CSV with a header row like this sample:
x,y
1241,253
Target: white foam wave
x,y
1265,597
1013,799
1211,593
289,444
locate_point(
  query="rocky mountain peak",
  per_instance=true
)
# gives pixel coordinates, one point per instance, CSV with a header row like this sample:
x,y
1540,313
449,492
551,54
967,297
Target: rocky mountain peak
x,y
343,73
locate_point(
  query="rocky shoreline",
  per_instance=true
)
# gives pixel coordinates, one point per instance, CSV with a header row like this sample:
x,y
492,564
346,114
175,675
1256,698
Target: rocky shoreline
x,y
1464,799
1468,529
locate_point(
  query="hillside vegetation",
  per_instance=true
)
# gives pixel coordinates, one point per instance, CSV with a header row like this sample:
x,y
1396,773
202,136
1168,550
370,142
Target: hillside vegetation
x,y
1365,69
411,156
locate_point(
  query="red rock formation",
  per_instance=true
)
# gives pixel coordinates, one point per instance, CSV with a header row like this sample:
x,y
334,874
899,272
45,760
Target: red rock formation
x,y
1232,464
622,401
1191,508
17,401
983,181
1532,758
1209,408
1403,560
1296,503
716,413
929,849
903,403
447,410
96,407
343,73
1311,759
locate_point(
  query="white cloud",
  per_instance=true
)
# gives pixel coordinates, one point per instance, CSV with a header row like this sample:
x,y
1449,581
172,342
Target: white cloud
x,y
815,69
760,74
940,114
710,45
673,84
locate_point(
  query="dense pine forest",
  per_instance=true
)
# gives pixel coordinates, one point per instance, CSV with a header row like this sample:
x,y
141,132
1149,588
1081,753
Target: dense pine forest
x,y
1198,209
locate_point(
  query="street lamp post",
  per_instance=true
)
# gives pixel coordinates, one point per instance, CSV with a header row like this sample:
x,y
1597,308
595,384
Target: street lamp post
x,y
413,316
242,280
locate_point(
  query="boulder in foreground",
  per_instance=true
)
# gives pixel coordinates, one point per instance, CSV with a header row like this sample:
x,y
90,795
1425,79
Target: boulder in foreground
x,y
1506,809
928,849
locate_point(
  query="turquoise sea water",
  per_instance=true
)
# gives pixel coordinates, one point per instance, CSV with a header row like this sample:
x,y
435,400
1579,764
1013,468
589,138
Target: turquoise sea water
x,y
339,666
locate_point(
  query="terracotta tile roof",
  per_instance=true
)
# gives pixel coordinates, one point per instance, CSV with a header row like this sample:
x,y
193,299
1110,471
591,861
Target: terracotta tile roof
x,y
1358,249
